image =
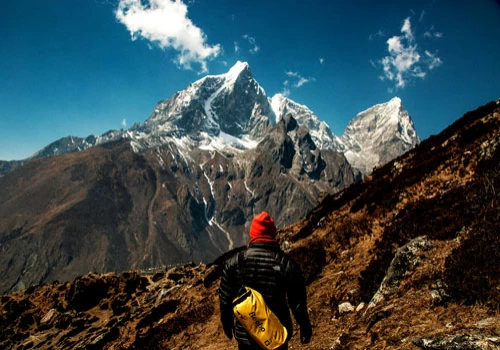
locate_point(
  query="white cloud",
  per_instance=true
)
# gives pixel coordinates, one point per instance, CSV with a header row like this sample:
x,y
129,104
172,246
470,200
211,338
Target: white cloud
x,y
404,61
285,92
432,33
394,44
165,23
422,14
299,80
432,60
406,29
124,122
296,80
322,60
251,40
379,33
236,47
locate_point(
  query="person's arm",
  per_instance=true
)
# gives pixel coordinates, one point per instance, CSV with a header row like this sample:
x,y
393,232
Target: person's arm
x,y
297,300
227,294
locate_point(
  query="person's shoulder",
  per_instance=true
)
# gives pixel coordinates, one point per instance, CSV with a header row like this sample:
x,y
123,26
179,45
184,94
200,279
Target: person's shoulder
x,y
234,258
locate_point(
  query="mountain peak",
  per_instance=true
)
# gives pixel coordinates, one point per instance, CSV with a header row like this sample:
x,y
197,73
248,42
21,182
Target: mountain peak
x,y
395,101
378,135
236,70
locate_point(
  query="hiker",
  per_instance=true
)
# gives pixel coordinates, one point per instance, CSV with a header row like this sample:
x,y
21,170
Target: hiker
x,y
264,267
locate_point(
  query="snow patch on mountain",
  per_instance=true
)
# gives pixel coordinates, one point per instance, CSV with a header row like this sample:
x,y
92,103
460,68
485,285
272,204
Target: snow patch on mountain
x,y
223,142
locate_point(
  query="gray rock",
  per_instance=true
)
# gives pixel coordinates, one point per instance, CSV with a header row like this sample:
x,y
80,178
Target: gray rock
x,y
345,308
458,342
404,260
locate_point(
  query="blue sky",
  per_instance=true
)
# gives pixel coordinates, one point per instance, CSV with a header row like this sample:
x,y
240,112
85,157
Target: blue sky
x,y
83,67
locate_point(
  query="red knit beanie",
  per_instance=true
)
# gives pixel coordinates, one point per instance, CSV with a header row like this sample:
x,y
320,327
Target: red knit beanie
x,y
263,229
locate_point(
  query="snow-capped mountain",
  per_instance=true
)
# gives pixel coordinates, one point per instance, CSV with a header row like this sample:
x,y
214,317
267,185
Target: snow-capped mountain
x,y
72,144
226,110
320,131
231,111
378,135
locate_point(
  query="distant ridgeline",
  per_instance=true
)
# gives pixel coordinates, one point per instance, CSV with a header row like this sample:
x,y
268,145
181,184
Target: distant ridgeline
x,y
183,185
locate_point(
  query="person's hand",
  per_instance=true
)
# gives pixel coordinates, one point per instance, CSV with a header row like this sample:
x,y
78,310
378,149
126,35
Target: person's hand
x,y
305,334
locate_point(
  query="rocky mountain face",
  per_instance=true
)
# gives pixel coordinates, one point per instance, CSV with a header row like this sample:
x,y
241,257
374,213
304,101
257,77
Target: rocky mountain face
x,y
378,135
408,258
320,131
231,103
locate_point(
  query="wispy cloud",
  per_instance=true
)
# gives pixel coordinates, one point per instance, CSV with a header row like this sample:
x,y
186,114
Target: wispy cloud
x,y
165,23
432,33
248,43
124,123
322,60
286,91
295,80
421,17
433,60
254,48
378,34
404,61
299,80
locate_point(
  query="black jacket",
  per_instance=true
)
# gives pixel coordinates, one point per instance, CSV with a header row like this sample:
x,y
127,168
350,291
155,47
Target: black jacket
x,y
265,268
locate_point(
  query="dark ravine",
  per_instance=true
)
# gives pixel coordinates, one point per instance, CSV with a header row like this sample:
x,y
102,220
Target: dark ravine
x,y
408,258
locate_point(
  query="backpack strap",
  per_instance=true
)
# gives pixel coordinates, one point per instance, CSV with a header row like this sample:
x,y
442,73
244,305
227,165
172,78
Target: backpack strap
x,y
239,266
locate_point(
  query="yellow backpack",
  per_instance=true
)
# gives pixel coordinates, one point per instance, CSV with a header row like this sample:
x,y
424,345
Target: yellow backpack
x,y
259,321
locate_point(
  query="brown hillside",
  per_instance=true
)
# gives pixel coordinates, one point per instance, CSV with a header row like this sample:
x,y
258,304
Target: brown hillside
x,y
408,258
110,209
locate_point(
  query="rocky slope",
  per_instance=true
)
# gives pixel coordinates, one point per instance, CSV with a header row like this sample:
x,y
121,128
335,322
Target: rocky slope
x,y
408,258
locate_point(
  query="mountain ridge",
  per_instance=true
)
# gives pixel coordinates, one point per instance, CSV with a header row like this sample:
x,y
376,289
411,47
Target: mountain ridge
x,y
407,258
230,110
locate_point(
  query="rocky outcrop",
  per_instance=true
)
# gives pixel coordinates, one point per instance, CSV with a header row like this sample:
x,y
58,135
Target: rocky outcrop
x,y
459,342
95,310
405,261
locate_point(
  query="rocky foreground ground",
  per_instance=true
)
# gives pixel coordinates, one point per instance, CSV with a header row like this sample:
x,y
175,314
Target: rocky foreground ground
x,y
408,258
